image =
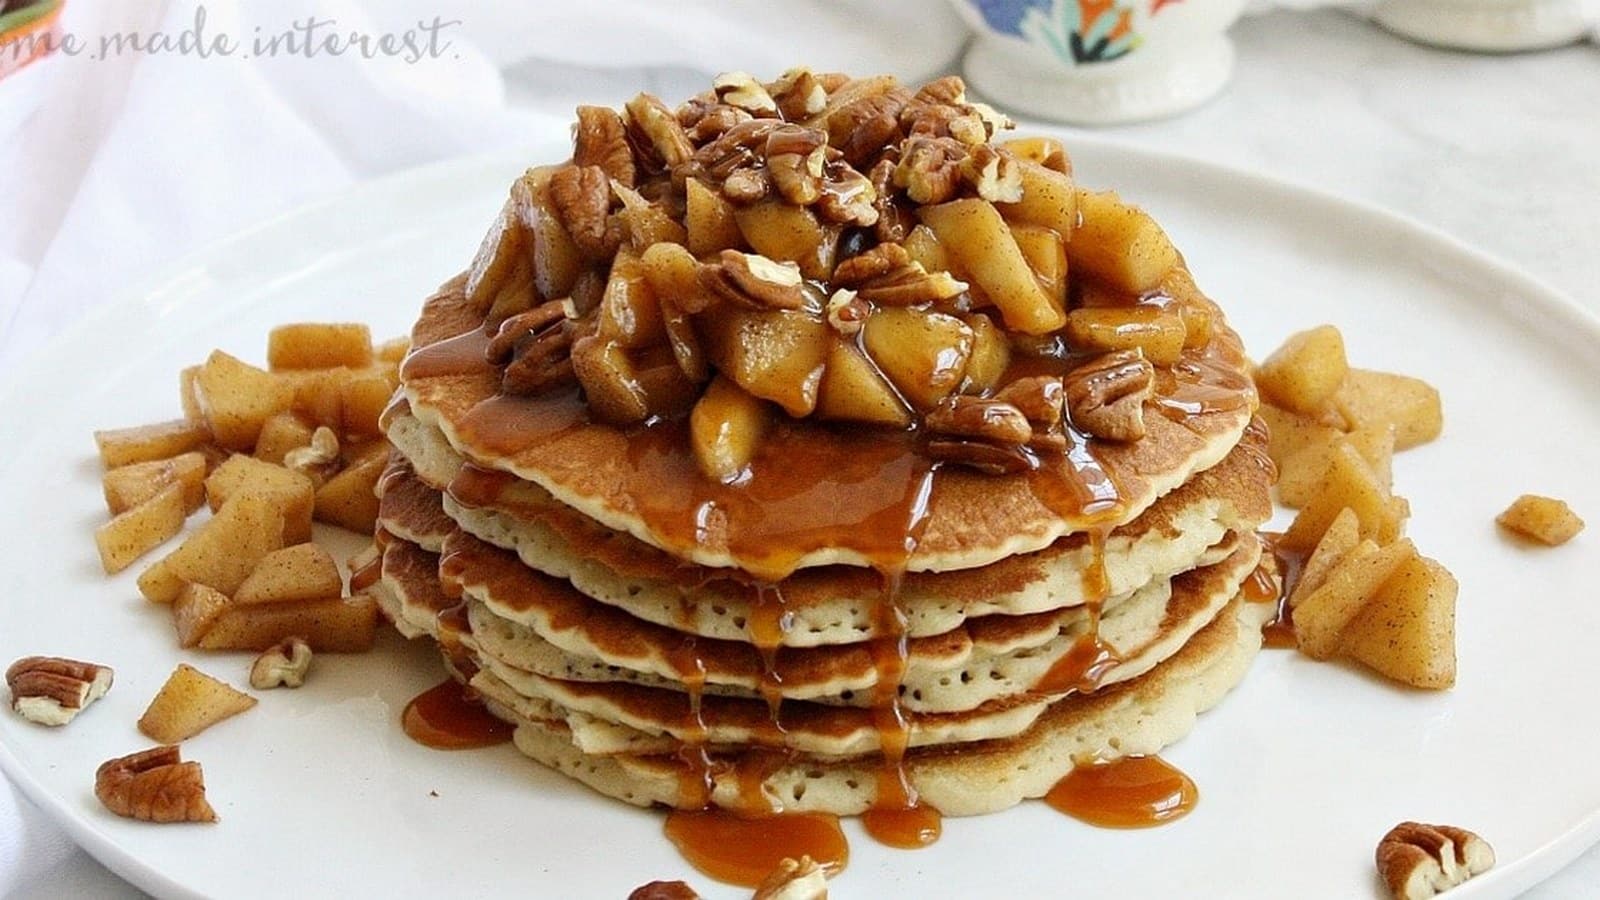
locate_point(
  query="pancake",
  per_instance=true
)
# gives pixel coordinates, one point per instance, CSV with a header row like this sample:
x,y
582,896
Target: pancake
x,y
857,498
551,631
411,594
409,509
834,604
1139,717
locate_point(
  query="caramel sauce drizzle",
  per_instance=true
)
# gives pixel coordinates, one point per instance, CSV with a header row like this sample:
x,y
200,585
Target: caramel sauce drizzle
x,y
1278,632
744,851
448,716
1131,792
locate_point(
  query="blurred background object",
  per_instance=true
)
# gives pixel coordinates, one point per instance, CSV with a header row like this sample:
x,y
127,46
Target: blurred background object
x,y
1496,26
29,31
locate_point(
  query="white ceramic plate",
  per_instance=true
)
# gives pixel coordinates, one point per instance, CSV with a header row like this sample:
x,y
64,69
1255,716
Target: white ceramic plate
x,y
1301,770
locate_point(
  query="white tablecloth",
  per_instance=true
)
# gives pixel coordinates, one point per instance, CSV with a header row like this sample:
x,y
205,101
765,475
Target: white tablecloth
x,y
116,177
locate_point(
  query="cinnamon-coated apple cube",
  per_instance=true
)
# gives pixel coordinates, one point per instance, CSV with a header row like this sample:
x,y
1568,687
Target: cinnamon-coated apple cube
x,y
1342,536
1046,256
1407,631
981,245
1290,433
709,220
195,608
1119,244
294,493
630,314
143,443
1370,399
726,428
301,572
1304,373
853,390
333,625
318,395
500,279
1160,334
784,232
923,246
1544,519
139,530
190,702
924,354
236,398
362,399
991,353
319,345
1348,482
186,395
1322,615
1300,475
556,260
349,499
393,350
1046,151
776,355
221,552
283,432
128,486
1049,199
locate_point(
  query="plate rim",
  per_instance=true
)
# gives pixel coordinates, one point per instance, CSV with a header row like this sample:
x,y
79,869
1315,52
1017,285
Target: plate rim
x,y
1521,874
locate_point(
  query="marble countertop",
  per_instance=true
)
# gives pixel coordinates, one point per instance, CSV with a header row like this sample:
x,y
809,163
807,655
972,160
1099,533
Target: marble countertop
x,y
1498,151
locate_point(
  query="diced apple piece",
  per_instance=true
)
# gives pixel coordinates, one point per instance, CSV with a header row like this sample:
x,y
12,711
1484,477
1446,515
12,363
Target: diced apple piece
x,y
991,353
1049,200
1348,482
924,354
726,429
1322,615
128,486
283,432
709,220
1370,399
236,398
854,391
1408,630
1158,333
500,279
220,553
1300,475
196,607
141,529
630,314
362,399
318,395
144,443
776,355
787,233
191,403
393,350
1119,244
292,492
1544,519
190,702
1046,151
979,242
1305,372
923,246
1046,256
315,345
556,260
349,499
301,572
1290,433
329,626
1342,536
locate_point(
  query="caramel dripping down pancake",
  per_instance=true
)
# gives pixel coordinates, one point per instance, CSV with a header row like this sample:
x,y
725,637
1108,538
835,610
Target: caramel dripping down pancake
x,y
833,604
987,658
1138,717
814,495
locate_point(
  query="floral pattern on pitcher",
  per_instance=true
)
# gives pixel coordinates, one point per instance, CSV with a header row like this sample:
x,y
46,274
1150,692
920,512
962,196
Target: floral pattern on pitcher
x,y
1076,32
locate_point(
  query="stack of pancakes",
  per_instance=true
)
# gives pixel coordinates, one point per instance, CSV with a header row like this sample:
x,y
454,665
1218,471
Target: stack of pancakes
x,y
849,625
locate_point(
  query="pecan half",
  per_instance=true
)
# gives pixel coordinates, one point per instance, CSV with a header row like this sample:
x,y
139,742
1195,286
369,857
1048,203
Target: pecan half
x,y
742,90
1417,861
989,420
664,890
741,146
888,276
848,198
753,281
1105,397
930,168
602,140
891,226
154,785
283,665
536,348
747,185
1039,397
581,196
652,126
319,460
863,127
796,159
993,173
50,690
994,459
714,122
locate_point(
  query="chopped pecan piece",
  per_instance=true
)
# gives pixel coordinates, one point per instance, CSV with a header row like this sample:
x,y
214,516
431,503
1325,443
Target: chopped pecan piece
x,y
154,786
282,665
664,890
742,90
1039,397
602,140
994,459
993,173
891,224
888,276
536,348
847,312
581,196
753,281
949,90
1417,861
862,128
747,185
799,94
848,198
794,879
1105,397
930,168
992,421
741,146
318,461
796,159
49,690
715,122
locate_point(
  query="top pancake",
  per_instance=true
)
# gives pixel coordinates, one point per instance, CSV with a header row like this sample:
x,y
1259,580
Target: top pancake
x,y
815,495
